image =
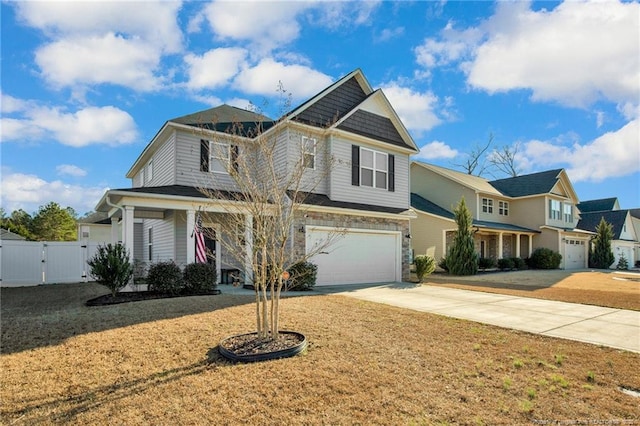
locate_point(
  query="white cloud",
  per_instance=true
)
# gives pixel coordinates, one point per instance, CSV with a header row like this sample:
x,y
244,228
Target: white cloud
x,y
390,33
152,21
578,53
214,68
93,43
91,125
267,24
575,54
71,170
436,149
98,60
343,14
416,109
614,154
28,192
299,80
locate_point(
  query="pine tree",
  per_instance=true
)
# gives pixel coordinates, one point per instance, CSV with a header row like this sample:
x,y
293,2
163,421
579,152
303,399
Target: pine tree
x,y
461,257
601,257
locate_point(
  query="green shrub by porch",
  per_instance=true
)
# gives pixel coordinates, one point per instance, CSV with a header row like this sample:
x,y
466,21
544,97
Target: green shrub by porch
x,y
165,277
544,258
199,278
110,266
425,265
302,276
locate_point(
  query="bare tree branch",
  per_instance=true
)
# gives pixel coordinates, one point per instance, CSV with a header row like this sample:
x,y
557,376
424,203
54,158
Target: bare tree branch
x,y
475,163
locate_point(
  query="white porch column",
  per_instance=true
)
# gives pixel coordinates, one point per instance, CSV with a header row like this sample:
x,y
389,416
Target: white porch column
x,y
517,245
248,240
115,232
127,226
530,245
500,248
191,245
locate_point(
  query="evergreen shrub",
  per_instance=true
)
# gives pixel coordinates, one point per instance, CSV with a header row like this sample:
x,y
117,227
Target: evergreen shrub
x,y
165,277
302,276
425,265
199,278
110,267
544,258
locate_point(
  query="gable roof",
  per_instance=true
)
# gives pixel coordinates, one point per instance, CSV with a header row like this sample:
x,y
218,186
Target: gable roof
x,y
426,206
525,185
476,183
617,218
347,105
6,234
597,205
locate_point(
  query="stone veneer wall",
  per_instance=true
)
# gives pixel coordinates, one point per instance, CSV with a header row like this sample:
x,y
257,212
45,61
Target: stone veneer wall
x,y
358,222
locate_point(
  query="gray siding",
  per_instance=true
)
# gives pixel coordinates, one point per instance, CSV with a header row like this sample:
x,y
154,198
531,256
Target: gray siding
x,y
181,237
342,190
164,164
163,248
188,165
314,180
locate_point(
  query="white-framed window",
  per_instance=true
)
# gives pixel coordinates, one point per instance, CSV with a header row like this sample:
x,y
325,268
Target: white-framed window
x,y
149,170
568,212
374,168
219,157
150,243
503,208
309,152
554,210
487,205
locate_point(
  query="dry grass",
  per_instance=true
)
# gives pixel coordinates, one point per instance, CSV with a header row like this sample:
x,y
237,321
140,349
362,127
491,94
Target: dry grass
x,y
612,289
155,362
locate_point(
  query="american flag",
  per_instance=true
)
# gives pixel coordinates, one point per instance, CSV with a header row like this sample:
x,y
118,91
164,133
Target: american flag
x,y
201,249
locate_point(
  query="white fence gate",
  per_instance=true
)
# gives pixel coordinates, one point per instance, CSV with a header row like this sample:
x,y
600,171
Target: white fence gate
x,y
25,263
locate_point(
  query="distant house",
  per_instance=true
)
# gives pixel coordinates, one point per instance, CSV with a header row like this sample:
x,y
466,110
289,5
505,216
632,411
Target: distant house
x,y
6,234
511,217
625,235
367,193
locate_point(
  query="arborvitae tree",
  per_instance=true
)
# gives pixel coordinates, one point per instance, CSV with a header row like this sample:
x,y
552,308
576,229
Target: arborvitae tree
x,y
461,257
601,255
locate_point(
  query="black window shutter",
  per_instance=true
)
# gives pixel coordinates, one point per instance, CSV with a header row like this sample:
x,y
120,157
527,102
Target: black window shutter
x,y
234,157
392,174
204,155
355,165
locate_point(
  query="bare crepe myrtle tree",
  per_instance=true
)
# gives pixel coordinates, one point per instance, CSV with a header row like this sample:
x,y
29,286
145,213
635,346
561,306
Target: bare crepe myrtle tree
x,y
505,159
272,173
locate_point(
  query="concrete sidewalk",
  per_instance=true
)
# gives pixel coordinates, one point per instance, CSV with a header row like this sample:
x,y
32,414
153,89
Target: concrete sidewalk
x,y
616,328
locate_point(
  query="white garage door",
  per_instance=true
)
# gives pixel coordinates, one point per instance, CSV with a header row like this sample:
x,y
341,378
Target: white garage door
x,y
357,257
574,257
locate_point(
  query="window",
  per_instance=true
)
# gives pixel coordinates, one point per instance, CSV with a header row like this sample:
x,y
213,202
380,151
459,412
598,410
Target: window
x,y
554,210
568,212
150,171
309,152
503,208
150,244
373,168
487,205
219,157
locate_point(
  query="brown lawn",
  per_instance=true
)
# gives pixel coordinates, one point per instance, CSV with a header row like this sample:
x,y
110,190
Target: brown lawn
x,y
615,289
155,362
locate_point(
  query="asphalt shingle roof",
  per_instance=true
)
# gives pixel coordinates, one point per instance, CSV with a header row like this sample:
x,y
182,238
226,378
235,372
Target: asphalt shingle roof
x,y
589,221
597,205
532,184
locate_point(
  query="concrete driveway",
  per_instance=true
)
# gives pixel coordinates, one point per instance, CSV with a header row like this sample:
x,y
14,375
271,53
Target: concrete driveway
x,y
616,328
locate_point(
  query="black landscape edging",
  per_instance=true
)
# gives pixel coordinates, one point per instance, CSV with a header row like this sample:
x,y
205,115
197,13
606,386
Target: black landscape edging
x,y
139,296
284,353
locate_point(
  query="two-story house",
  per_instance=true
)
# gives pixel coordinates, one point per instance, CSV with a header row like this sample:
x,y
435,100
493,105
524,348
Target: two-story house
x,y
511,217
365,194
625,240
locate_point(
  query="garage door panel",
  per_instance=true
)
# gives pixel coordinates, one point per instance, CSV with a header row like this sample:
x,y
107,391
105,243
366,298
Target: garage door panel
x,y
357,257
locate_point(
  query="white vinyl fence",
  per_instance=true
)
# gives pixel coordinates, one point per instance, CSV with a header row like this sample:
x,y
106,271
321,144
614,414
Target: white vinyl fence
x,y
27,263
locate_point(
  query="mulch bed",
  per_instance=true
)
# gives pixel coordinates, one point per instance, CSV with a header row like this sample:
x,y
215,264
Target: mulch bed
x,y
250,344
138,296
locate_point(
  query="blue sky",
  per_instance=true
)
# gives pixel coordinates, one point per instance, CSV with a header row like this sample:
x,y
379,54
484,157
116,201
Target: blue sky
x,y
86,85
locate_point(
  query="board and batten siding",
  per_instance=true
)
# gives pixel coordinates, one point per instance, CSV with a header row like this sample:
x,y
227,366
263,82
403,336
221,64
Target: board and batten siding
x,y
188,165
341,188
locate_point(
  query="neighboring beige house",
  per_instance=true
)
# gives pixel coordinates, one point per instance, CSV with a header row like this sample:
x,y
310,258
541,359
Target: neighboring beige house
x,y
366,193
625,235
511,217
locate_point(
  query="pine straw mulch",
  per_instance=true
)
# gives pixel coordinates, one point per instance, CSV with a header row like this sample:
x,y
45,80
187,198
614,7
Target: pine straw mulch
x,y
156,362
